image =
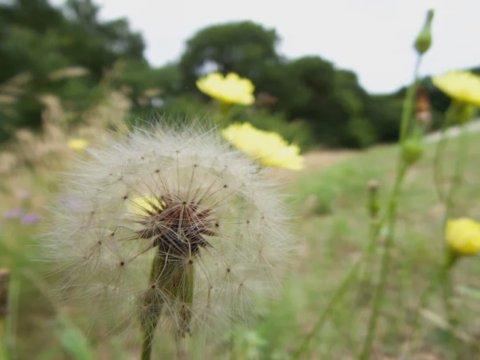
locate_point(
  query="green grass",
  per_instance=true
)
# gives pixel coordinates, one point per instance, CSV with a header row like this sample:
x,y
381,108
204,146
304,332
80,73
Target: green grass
x,y
331,220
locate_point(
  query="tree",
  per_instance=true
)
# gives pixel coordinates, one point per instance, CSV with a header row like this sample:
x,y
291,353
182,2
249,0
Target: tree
x,y
243,47
38,39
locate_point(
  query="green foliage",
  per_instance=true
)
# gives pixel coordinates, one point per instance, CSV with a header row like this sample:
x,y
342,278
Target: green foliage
x,y
384,111
330,101
242,47
73,341
38,40
325,104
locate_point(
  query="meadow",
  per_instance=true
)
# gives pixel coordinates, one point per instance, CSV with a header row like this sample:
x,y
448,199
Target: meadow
x,y
139,221
331,223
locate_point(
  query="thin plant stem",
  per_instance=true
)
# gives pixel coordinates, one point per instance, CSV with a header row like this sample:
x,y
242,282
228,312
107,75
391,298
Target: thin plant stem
x,y
152,305
350,276
4,281
385,262
174,279
407,111
334,300
375,223
437,163
436,280
449,309
391,213
462,146
448,290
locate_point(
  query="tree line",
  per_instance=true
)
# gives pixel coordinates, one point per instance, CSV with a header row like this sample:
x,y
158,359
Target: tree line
x,y
70,53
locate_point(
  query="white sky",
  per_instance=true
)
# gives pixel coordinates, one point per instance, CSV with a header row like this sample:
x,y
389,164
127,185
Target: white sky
x,y
371,37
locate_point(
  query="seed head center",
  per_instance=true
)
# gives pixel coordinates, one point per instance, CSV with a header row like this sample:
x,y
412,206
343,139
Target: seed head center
x,y
177,226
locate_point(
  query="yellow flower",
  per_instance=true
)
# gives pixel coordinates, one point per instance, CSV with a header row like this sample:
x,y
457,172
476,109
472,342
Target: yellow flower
x,y
231,89
462,86
77,144
463,236
268,147
142,205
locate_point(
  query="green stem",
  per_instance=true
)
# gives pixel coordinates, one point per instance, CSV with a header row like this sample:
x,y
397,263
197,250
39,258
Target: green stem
x,y
385,262
437,163
367,253
4,282
173,279
391,213
152,305
375,223
462,146
449,200
408,102
334,300
447,300
436,280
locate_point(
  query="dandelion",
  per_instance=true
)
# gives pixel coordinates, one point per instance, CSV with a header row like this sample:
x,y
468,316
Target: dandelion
x,y
175,228
77,144
231,89
268,148
463,236
462,86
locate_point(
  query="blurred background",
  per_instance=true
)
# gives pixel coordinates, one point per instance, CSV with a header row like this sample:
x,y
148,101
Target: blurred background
x,y
329,76
326,74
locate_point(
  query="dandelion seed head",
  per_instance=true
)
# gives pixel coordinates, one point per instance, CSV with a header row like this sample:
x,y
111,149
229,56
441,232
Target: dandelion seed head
x,y
186,196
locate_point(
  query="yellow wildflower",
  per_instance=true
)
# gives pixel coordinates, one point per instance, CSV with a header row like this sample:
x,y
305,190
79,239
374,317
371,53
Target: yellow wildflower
x,y
462,86
268,147
231,89
77,144
142,205
463,236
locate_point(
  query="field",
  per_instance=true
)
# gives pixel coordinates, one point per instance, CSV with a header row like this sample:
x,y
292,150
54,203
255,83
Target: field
x,y
328,202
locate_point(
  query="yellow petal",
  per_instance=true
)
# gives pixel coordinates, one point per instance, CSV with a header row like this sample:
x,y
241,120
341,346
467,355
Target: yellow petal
x,y
142,205
462,86
231,89
77,144
463,236
268,148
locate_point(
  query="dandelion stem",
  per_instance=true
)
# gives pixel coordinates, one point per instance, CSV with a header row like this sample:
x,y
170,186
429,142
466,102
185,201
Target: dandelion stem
x,y
171,278
152,306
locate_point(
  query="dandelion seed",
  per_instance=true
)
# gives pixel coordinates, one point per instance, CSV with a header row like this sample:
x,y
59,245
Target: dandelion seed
x,y
174,226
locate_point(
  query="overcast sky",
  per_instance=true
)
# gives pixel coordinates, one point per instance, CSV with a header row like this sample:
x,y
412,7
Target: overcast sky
x,y
371,37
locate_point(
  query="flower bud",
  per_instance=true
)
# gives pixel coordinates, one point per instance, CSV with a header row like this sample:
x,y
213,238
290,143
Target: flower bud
x,y
412,150
424,38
